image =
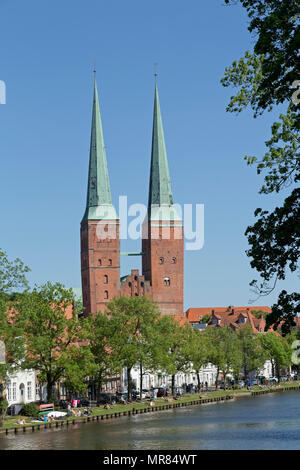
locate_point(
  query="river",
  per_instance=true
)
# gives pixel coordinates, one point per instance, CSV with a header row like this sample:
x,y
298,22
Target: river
x,y
264,422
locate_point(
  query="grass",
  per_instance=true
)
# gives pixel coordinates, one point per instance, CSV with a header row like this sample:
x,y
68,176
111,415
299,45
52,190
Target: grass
x,y
11,421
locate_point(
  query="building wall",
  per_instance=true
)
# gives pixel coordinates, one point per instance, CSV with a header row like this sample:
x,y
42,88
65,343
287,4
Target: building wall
x,y
100,264
163,265
20,387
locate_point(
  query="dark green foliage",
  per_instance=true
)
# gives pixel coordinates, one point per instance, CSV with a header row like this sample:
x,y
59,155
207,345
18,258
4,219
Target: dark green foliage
x,y
274,239
206,318
287,306
265,78
275,26
30,409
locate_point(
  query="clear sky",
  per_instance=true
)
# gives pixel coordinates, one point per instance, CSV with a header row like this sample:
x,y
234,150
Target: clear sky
x,y
47,49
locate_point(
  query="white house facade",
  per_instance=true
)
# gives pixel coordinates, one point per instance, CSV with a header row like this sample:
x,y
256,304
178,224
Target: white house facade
x,y
21,387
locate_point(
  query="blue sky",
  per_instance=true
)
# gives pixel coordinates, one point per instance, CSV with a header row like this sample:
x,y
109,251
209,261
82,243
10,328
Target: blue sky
x,y
46,60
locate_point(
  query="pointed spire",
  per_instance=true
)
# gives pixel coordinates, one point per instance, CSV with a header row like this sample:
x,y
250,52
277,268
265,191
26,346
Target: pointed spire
x,y
99,202
160,191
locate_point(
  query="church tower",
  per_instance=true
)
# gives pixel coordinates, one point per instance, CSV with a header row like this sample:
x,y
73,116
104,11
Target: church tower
x,y
100,244
162,243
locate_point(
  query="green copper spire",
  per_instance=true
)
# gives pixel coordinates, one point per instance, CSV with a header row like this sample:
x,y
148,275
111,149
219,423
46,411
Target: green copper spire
x,y
160,191
99,202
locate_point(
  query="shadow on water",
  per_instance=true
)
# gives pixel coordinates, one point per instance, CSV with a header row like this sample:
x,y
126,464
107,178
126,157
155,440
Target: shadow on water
x,y
263,422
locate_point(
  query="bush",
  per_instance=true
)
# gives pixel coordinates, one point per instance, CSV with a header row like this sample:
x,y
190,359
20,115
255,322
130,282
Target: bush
x,y
30,409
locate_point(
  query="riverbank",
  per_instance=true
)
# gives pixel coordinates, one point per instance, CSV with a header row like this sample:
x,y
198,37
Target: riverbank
x,y
117,411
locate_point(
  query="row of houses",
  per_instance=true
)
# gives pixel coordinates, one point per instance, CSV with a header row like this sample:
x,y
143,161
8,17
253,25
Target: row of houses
x,y
24,387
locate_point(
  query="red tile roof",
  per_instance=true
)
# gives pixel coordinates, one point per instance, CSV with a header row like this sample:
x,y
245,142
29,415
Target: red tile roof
x,y
230,316
193,314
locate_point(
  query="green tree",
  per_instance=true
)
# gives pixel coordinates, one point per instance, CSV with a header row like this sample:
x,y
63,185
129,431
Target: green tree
x,y
54,336
3,410
12,275
225,352
12,278
206,318
275,27
253,355
107,362
132,333
277,350
259,313
174,347
198,351
265,78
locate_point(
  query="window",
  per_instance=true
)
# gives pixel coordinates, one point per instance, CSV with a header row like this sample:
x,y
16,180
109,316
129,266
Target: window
x,y
161,260
106,294
129,284
109,262
105,279
8,390
99,262
29,391
174,260
135,278
37,391
14,391
166,281
142,284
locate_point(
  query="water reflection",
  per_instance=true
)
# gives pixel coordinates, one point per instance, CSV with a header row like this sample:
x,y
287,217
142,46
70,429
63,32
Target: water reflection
x,y
264,422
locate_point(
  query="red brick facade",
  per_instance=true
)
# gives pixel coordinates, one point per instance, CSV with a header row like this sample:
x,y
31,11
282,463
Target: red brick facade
x,y
100,264
162,278
163,265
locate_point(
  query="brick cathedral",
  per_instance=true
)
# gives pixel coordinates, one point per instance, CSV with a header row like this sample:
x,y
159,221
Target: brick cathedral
x,y
162,242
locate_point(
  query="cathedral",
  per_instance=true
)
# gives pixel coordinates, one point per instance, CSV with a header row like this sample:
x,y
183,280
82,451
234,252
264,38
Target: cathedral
x,y
162,240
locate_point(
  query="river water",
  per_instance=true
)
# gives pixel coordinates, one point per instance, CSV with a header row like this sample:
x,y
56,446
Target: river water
x,y
269,421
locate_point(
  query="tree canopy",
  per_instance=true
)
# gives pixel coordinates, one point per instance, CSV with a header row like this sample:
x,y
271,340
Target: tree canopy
x,y
265,78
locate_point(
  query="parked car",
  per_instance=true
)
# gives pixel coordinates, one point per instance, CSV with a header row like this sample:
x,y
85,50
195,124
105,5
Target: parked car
x,y
283,378
162,392
273,379
179,391
63,404
104,398
121,397
84,402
